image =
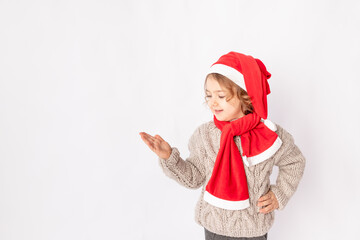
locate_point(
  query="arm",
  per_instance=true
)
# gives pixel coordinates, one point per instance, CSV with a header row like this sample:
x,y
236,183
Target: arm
x,y
190,172
291,163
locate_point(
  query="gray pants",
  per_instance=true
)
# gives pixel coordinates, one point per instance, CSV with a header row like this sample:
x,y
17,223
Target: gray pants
x,y
213,236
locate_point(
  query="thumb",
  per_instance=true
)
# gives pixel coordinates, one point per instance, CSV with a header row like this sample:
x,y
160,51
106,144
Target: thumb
x,y
158,137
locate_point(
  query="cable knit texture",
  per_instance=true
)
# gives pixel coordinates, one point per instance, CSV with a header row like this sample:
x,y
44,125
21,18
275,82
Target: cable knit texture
x,y
195,172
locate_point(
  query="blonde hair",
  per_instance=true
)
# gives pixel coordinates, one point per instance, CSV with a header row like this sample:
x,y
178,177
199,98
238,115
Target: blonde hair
x,y
234,90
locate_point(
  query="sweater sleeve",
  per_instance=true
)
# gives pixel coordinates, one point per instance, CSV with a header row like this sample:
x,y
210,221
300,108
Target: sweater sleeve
x,y
291,163
190,172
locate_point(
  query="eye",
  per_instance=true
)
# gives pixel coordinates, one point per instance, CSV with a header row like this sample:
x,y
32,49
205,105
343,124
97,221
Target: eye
x,y
221,96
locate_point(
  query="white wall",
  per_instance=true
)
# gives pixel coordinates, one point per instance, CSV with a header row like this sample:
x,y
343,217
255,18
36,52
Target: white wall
x,y
80,79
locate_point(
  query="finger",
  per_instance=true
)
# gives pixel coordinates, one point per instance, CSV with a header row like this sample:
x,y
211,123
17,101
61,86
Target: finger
x,y
158,137
267,209
145,138
265,197
146,135
149,144
265,203
148,141
156,143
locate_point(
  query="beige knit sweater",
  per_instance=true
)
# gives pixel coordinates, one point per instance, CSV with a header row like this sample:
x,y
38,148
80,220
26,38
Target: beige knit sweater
x,y
196,171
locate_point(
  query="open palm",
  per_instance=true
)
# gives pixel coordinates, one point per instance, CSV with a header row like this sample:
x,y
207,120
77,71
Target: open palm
x,y
158,145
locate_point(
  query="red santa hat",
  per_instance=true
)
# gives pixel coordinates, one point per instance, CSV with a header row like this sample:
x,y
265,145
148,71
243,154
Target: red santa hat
x,y
254,82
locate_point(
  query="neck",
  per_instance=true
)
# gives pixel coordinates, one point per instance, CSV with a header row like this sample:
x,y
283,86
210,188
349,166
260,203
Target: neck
x,y
242,115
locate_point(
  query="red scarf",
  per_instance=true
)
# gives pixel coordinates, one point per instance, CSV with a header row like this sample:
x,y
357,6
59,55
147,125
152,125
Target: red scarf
x,y
228,180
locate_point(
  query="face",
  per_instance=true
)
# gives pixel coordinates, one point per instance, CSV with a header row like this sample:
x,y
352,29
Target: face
x,y
216,100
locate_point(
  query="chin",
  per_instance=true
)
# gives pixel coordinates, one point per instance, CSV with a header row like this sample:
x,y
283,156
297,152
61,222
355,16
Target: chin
x,y
222,119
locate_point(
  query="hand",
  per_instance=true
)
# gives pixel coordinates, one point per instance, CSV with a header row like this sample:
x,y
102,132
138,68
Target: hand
x,y
268,202
157,145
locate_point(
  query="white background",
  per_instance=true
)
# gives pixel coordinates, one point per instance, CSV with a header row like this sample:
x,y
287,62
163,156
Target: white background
x,y
80,79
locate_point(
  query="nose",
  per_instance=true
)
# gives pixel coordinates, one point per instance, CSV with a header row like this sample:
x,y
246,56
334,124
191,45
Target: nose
x,y
213,103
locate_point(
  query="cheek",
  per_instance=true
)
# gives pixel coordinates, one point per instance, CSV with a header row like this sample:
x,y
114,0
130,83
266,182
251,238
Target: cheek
x,y
237,102
233,104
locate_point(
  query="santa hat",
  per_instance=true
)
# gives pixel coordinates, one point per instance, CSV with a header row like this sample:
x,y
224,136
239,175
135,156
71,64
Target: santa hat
x,y
228,189
253,80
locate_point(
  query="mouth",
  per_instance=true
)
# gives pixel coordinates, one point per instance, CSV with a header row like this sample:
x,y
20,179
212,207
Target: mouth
x,y
218,111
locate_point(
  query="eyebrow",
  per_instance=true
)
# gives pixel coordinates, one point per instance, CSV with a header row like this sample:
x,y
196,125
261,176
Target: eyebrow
x,y
215,91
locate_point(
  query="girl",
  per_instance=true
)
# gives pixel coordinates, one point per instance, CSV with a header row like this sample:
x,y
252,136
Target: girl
x,y
232,156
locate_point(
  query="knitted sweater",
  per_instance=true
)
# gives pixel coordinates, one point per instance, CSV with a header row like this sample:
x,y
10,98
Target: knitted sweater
x,y
196,170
